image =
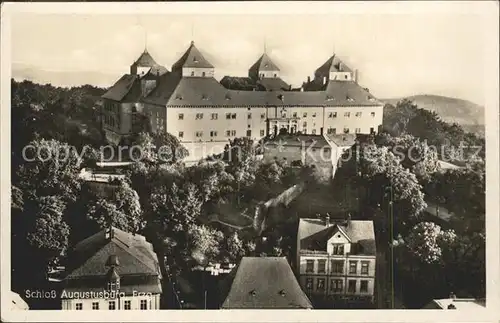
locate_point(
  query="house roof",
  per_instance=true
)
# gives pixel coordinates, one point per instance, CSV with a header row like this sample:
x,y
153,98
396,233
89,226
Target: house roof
x,y
264,63
264,282
273,84
313,234
192,58
342,140
135,254
333,64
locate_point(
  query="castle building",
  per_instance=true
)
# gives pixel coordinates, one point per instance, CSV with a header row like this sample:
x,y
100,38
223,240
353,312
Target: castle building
x,y
336,259
203,113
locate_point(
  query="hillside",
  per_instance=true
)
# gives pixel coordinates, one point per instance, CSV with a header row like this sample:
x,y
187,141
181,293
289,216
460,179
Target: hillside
x,y
467,114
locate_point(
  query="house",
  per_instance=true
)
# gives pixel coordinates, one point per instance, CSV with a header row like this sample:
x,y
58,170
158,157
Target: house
x,y
454,303
189,103
336,259
112,270
263,283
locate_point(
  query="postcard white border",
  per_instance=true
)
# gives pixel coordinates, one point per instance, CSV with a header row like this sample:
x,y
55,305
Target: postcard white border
x,y
490,64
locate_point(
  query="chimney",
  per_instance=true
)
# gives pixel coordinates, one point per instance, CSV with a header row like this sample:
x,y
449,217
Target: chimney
x,y
349,219
453,296
308,79
327,219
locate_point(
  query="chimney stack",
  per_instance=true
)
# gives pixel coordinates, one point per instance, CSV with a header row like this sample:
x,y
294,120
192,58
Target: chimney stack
x,y
453,296
349,219
327,219
308,79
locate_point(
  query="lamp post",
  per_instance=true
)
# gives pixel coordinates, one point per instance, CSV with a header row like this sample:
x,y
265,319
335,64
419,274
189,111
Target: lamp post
x,y
389,191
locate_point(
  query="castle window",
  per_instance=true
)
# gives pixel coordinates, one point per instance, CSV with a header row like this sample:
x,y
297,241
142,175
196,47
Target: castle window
x,y
305,115
112,305
181,134
313,132
346,130
357,130
304,124
199,116
338,249
336,285
364,286
364,267
275,75
199,134
213,133
228,133
337,266
358,114
95,305
373,114
214,116
352,286
347,114
262,133
203,74
321,284
233,133
309,266
233,116
79,306
321,266
249,133
353,267
249,116
314,114
192,73
331,131
294,114
144,304
262,115
228,115
309,283
127,305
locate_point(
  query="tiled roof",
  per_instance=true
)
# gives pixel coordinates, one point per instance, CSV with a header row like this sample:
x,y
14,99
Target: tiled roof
x,y
333,64
145,60
273,84
135,254
127,87
192,58
264,283
128,284
313,234
174,90
264,63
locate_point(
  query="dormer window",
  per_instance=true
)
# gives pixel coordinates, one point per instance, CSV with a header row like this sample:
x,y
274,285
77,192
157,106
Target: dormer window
x,y
195,59
338,249
228,97
329,98
204,97
371,98
178,97
349,99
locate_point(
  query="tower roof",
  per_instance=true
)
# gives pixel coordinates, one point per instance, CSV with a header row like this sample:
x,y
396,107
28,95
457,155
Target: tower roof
x,y
264,63
145,60
192,58
333,64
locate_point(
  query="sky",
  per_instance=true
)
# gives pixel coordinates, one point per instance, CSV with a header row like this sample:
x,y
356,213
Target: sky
x,y
396,55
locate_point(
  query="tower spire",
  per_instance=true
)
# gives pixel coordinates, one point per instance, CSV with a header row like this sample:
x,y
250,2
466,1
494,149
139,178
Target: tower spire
x,y
265,45
145,40
192,32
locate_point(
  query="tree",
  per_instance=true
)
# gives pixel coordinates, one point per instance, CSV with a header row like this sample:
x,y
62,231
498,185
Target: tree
x,y
234,248
54,171
121,209
427,241
157,148
204,244
49,233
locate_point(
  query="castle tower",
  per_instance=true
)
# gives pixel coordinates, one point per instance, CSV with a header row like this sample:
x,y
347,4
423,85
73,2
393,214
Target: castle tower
x,y
333,70
143,64
264,68
193,64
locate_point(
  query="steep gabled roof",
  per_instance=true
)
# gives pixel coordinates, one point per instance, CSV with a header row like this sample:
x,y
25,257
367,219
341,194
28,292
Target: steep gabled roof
x,y
192,58
333,64
145,60
264,283
313,234
135,254
264,63
126,88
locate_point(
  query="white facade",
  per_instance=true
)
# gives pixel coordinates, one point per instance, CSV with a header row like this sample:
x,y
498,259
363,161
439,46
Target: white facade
x,y
140,301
